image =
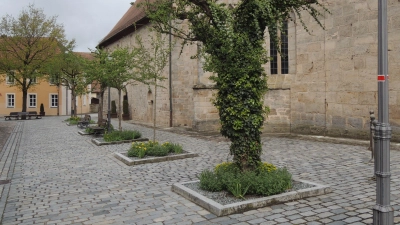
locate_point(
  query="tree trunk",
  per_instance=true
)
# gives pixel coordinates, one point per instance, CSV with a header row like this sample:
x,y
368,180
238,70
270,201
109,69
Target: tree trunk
x,y
119,110
100,112
24,99
73,102
155,110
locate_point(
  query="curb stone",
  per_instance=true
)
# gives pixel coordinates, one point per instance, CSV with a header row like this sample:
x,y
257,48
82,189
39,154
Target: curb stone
x,y
223,210
100,141
130,162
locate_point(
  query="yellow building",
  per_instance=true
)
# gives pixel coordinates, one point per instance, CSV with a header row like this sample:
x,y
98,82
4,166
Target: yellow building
x,y
56,100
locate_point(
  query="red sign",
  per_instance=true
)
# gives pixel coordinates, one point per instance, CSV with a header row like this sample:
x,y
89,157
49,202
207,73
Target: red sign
x,y
382,78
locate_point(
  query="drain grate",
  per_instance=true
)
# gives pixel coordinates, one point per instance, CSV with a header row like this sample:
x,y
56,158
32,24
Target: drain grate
x,y
4,182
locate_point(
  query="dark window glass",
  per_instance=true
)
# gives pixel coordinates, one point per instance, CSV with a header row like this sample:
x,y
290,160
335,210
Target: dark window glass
x,y
285,50
274,58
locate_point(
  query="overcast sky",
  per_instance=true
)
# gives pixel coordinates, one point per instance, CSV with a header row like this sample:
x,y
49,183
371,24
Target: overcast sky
x,y
87,21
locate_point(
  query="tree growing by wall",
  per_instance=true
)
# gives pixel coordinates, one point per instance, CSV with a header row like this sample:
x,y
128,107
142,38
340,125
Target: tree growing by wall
x,y
97,71
151,61
27,44
232,37
120,66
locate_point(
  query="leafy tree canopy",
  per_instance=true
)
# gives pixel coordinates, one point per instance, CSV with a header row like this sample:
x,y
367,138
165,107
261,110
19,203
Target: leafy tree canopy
x,y
27,44
232,37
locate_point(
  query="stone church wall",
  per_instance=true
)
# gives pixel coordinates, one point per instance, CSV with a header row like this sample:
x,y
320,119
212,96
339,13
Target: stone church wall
x,y
330,88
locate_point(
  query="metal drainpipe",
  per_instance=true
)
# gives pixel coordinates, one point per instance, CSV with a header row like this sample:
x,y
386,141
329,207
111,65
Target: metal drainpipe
x,y
170,76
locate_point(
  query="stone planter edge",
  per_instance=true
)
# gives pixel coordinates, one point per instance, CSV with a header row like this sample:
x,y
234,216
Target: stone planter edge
x,y
223,210
130,162
99,143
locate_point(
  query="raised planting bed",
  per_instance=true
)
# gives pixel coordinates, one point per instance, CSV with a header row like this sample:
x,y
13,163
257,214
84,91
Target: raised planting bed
x,y
83,132
130,161
222,203
101,141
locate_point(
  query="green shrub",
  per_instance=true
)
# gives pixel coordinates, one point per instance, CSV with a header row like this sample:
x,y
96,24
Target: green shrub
x,y
173,148
73,122
138,149
112,136
133,152
237,190
271,183
225,166
72,119
157,150
265,167
117,135
265,181
210,181
41,107
130,134
88,130
150,148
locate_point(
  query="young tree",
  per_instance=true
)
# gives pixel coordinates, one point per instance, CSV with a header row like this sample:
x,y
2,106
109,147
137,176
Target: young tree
x,y
96,70
151,61
71,66
232,38
120,66
27,44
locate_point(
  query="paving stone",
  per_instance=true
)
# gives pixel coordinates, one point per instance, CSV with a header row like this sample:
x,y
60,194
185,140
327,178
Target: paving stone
x,y
61,177
352,219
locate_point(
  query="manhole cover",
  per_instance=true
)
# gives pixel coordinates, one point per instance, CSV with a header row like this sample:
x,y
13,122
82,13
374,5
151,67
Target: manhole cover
x,y
4,182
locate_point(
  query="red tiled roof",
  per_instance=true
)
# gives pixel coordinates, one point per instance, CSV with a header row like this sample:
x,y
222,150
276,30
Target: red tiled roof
x,y
86,55
133,15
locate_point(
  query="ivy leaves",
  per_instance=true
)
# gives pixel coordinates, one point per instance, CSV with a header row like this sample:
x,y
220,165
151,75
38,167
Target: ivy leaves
x,y
232,40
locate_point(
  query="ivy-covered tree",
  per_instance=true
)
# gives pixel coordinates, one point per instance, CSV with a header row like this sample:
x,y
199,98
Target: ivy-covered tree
x,y
232,37
27,44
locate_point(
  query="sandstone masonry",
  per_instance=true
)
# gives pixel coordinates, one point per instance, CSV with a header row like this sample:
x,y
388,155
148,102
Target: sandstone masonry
x,y
329,90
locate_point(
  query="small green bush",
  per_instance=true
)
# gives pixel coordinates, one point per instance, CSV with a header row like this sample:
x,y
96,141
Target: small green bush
x,y
150,148
266,180
73,122
72,119
210,181
173,148
41,107
88,130
237,190
272,183
157,150
133,152
117,135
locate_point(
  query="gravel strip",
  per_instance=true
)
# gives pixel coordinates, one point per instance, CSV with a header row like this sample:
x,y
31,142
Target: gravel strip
x,y
226,198
151,157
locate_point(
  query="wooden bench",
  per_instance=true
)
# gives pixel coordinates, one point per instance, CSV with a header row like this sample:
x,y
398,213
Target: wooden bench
x,y
97,130
84,122
19,115
12,115
34,114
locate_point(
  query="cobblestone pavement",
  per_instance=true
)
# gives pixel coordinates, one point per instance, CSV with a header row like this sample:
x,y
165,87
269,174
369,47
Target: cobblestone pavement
x,y
6,127
60,177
